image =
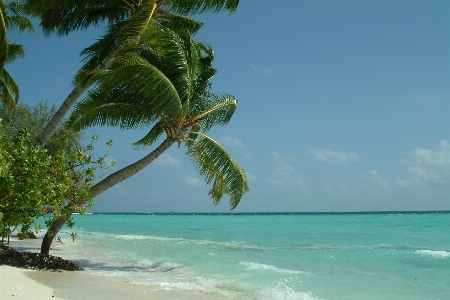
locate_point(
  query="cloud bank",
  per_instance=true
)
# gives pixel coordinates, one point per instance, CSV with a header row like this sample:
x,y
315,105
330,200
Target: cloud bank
x,y
324,155
428,167
232,141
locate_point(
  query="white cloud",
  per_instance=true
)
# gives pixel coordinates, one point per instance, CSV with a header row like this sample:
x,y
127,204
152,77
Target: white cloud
x,y
426,167
167,160
324,155
264,70
377,179
194,181
232,141
285,174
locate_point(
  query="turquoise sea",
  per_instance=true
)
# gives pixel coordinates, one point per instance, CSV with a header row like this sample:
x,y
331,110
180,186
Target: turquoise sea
x,y
362,256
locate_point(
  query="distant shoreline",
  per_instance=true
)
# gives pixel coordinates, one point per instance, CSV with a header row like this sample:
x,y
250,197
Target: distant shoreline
x,y
275,213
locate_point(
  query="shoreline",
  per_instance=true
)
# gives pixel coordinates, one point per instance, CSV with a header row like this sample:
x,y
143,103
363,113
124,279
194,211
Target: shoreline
x,y
29,284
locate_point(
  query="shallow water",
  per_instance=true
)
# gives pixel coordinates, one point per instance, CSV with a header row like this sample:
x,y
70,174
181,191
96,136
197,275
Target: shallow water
x,y
341,256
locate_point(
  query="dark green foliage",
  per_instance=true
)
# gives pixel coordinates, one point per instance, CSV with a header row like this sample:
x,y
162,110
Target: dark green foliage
x,y
34,179
35,261
33,119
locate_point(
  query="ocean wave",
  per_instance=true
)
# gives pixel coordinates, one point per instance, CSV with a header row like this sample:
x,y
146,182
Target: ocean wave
x,y
258,266
204,286
284,293
160,266
434,253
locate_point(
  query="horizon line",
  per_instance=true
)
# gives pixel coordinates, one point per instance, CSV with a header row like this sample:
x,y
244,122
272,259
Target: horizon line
x,y
282,213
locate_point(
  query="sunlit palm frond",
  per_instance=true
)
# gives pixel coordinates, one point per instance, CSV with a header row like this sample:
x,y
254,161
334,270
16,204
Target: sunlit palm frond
x,y
199,6
117,34
100,109
217,166
218,110
173,60
128,97
180,24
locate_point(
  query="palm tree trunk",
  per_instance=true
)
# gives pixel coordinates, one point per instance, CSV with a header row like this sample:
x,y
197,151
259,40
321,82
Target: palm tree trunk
x,y
102,186
78,90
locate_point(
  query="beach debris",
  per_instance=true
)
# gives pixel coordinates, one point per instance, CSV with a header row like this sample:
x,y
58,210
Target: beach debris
x,y
35,261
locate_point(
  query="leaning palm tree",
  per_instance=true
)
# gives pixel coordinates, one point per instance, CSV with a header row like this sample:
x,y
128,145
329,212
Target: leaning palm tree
x,y
164,84
63,16
11,18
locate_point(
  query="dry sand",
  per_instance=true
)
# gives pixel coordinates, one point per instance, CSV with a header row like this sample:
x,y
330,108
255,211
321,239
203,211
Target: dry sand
x,y
14,284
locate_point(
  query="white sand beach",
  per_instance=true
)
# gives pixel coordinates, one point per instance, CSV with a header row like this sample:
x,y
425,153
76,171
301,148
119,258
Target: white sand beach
x,y
14,284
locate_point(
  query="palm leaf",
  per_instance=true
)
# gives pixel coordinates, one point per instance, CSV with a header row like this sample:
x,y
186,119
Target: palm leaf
x,y
154,133
117,33
19,23
130,96
180,24
187,7
9,91
15,51
214,163
218,110
3,41
62,17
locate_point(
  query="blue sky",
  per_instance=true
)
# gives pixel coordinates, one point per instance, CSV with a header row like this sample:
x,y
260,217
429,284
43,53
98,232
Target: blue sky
x,y
343,106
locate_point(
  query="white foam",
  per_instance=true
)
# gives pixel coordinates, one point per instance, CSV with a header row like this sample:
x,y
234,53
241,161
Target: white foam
x,y
257,266
202,285
160,266
436,254
283,292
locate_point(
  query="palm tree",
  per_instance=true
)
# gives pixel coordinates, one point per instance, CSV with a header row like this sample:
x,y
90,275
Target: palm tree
x,y
62,17
11,18
164,84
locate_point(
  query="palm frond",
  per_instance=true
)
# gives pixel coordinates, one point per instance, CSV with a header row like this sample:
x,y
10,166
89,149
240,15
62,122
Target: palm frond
x,y
19,23
214,163
128,97
174,58
180,24
218,110
116,34
15,51
187,7
3,40
16,7
62,17
9,91
154,133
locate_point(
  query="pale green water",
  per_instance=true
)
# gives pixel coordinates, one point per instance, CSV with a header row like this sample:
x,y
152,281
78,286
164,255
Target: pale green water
x,y
344,256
